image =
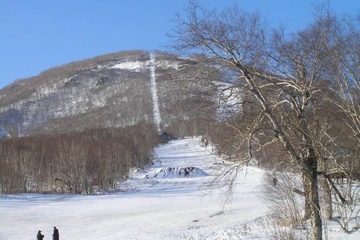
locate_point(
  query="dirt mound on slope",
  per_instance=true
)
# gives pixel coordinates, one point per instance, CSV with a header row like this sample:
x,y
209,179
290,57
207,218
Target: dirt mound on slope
x,y
177,172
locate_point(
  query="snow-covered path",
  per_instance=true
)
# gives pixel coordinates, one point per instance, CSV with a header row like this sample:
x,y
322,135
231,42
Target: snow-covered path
x,y
153,89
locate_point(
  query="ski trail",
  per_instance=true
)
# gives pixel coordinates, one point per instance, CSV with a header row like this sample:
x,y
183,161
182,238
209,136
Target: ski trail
x,y
155,99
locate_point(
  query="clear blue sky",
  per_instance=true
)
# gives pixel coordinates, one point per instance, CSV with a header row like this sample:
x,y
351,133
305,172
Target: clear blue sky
x,y
39,34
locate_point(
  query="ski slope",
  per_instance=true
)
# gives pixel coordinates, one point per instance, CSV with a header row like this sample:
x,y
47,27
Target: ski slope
x,y
160,202
153,89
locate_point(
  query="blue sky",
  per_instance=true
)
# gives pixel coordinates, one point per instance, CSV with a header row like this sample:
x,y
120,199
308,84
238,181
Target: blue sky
x,y
39,34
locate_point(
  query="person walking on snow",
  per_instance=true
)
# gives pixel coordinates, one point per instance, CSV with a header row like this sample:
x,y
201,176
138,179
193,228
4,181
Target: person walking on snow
x,y
56,234
39,236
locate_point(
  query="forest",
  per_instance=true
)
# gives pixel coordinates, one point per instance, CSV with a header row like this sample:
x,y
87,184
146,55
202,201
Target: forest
x,y
77,162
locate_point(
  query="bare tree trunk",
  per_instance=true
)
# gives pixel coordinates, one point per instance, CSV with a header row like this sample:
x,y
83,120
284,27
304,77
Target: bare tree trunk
x,y
310,182
327,198
324,185
309,169
307,212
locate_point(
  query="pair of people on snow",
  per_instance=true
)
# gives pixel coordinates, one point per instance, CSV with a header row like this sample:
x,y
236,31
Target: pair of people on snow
x,y
55,235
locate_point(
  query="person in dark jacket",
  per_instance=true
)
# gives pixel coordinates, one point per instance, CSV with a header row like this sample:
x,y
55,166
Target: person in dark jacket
x,y
39,236
56,234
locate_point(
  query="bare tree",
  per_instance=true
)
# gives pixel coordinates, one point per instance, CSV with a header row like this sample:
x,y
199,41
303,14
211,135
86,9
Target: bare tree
x,y
280,76
344,95
285,204
72,160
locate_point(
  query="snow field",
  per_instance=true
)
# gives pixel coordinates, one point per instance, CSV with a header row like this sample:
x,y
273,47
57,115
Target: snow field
x,y
143,207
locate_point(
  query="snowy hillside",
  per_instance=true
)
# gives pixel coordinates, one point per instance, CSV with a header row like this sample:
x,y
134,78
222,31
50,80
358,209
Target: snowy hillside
x,y
161,202
114,90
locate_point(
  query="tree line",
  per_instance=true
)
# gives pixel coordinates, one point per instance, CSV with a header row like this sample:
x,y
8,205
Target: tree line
x,y
77,162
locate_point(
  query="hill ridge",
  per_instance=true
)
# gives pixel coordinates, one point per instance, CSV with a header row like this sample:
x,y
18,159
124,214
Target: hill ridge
x,y
113,90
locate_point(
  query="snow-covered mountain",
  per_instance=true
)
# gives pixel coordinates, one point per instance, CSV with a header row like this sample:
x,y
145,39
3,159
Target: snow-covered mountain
x,y
114,90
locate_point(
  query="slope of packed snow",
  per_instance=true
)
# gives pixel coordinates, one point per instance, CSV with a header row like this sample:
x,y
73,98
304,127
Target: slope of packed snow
x,y
149,207
153,89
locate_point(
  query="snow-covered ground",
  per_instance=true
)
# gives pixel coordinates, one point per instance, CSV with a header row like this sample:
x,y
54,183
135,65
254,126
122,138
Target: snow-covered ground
x,y
157,203
153,89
